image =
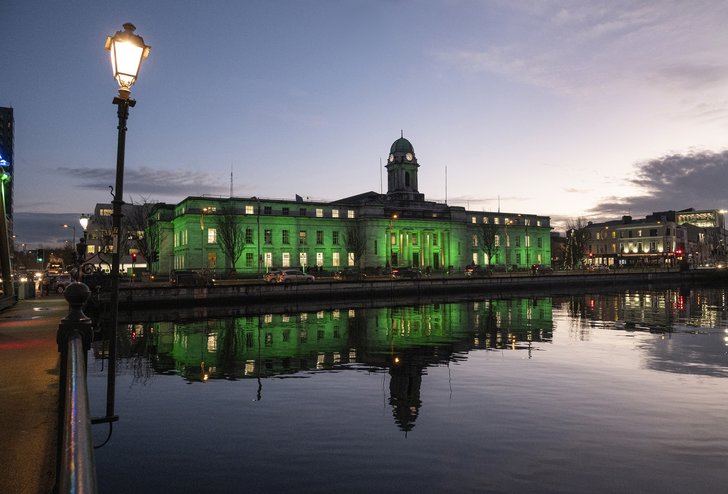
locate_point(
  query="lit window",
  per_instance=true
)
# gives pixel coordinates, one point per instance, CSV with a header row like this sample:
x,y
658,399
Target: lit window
x,y
303,259
496,220
302,237
334,213
211,235
335,260
286,260
485,220
350,258
319,213
350,213
473,220
319,259
249,209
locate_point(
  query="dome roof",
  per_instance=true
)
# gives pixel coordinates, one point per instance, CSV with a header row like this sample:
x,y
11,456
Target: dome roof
x,y
402,145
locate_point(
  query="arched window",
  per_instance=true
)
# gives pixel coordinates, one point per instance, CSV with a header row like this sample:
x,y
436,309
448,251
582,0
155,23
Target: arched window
x,y
406,179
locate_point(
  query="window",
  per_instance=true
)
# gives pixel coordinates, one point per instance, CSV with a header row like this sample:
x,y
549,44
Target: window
x,y
496,221
286,260
485,220
538,222
475,258
539,242
249,209
285,211
518,240
268,259
285,237
335,260
496,239
248,235
302,237
302,212
639,233
319,237
267,210
249,259
350,214
334,213
268,236
303,259
434,239
211,235
319,259
527,240
335,238
319,213
350,258
375,247
475,240
414,239
473,219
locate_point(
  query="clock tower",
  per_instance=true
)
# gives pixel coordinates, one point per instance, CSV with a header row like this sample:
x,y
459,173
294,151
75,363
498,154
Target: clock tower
x,y
402,172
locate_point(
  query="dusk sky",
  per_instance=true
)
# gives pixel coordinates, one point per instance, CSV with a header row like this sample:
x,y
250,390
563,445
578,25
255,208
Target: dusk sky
x,y
560,108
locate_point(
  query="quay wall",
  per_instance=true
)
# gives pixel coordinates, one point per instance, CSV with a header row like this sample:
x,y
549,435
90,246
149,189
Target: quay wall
x,y
152,296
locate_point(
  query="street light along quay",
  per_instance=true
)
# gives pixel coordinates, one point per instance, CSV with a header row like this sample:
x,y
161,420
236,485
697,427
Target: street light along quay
x,y
127,53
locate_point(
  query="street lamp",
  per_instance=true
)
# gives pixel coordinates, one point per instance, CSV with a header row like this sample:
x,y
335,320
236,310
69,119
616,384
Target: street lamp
x,y
203,212
127,52
84,222
66,225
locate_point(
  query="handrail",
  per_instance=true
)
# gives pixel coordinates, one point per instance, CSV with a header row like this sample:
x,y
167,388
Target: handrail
x,y
75,467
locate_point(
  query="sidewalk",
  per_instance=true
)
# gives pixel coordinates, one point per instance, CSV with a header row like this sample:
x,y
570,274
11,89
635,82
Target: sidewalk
x,y
29,394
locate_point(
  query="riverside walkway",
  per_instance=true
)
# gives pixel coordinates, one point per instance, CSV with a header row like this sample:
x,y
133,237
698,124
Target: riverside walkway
x,y
29,394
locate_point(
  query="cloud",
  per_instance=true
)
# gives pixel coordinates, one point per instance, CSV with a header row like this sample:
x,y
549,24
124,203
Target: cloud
x,y
45,229
674,182
150,182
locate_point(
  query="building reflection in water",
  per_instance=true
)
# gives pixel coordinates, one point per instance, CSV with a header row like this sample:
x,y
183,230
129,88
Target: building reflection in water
x,y
402,341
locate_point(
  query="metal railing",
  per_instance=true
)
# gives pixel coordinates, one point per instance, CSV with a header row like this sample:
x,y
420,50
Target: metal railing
x,y
75,467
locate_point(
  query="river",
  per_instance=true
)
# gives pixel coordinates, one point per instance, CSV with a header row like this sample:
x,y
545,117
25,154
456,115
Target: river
x,y
599,393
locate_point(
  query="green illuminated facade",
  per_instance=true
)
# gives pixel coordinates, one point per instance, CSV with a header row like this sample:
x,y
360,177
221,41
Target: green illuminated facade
x,y
369,230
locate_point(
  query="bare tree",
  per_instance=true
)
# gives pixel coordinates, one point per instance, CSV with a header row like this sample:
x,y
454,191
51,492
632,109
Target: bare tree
x,y
141,228
488,234
356,241
576,242
231,235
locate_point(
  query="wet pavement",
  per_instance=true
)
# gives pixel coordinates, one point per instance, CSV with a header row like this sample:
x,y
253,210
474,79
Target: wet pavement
x,y
29,394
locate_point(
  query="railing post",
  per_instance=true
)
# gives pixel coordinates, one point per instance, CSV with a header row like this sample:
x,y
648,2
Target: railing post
x,y
75,468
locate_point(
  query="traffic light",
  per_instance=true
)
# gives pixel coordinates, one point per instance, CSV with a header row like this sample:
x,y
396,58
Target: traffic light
x,y
40,256
133,256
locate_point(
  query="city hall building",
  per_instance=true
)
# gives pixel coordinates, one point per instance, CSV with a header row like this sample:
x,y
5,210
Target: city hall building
x,y
370,230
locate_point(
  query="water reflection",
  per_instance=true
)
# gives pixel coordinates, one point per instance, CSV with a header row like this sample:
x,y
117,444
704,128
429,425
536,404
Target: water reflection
x,y
577,393
402,341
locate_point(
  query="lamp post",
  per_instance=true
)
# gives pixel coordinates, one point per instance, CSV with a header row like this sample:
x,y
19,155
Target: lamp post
x,y
257,239
73,227
127,52
389,241
203,211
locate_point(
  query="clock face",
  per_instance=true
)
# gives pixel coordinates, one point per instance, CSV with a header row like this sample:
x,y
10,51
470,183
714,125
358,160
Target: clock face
x,y
391,158
409,156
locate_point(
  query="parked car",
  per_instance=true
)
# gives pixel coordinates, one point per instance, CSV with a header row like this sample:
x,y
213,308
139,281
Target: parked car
x,y
350,274
188,277
542,269
475,270
58,283
294,276
412,273
272,275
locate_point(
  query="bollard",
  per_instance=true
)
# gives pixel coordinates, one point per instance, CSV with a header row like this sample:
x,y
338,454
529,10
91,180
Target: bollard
x,y
75,468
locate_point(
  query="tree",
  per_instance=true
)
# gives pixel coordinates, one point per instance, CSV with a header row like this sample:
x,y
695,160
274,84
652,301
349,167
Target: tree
x,y
488,234
141,228
231,235
356,241
576,242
